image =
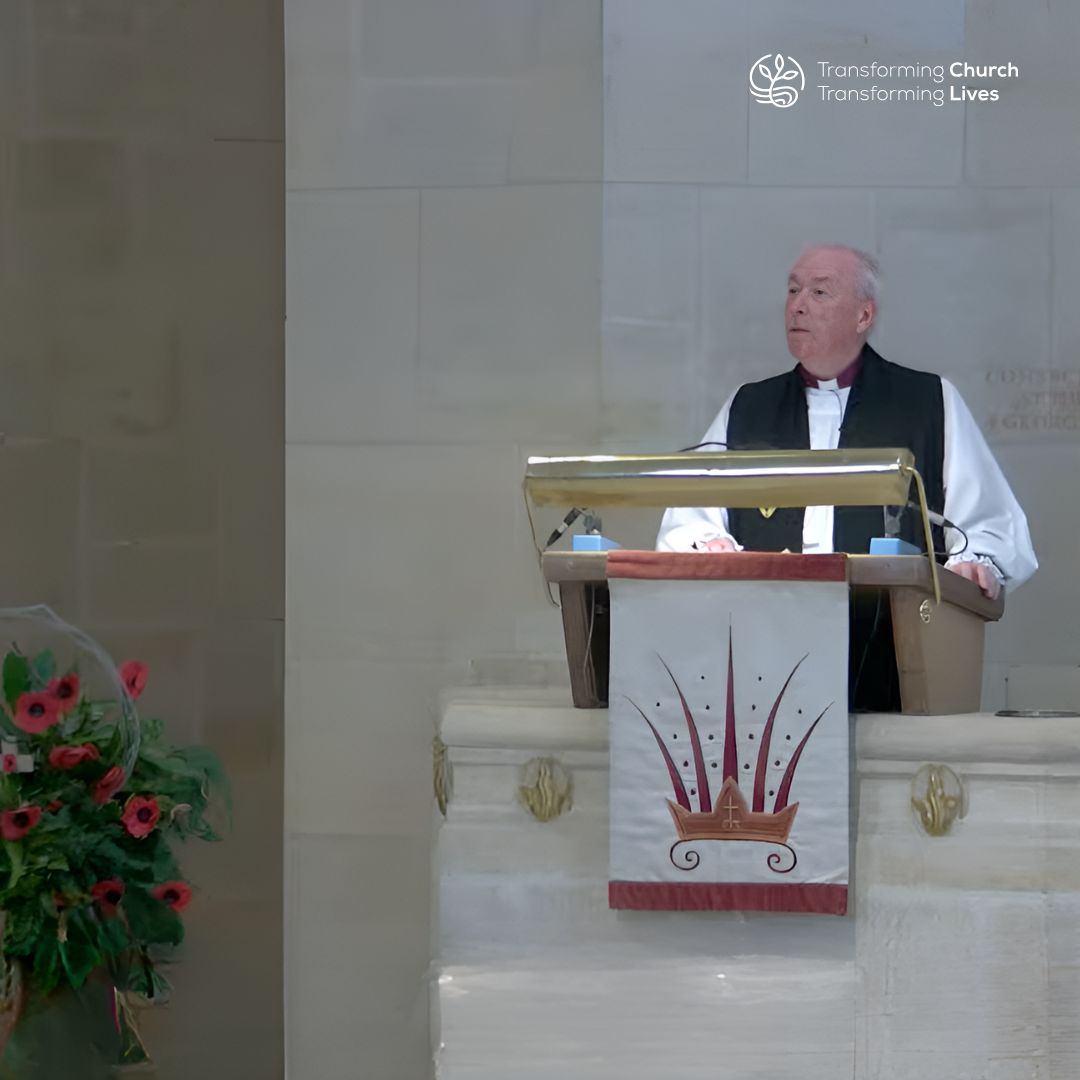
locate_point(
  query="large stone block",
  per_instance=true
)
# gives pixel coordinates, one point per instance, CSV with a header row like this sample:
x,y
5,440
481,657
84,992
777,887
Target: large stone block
x,y
89,58
236,90
1040,626
651,376
556,120
365,728
189,196
133,495
966,286
363,526
430,94
152,585
42,488
509,304
245,673
850,143
354,275
117,362
1020,139
651,252
83,80
15,66
1066,283
675,91
357,952
70,202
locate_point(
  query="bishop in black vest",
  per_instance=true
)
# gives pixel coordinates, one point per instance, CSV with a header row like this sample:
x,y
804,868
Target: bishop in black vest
x,y
841,393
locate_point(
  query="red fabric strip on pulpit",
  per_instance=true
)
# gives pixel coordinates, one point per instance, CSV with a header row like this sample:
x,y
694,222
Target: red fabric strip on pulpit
x,y
717,896
729,565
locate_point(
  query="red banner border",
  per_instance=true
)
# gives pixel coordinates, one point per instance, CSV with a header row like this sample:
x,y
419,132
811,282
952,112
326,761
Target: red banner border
x,y
816,899
732,565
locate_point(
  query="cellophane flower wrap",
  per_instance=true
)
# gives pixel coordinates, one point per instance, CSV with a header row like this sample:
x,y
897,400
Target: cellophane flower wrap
x,y
92,803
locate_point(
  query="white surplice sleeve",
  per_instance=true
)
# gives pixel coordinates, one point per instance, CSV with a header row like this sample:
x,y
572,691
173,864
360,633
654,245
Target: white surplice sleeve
x,y
684,526
978,499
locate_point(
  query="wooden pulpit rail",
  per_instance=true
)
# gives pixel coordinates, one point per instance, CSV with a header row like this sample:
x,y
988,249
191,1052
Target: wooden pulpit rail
x,y
938,648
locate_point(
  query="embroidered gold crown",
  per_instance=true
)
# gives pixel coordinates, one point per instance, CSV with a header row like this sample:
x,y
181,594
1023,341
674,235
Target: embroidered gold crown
x,y
730,819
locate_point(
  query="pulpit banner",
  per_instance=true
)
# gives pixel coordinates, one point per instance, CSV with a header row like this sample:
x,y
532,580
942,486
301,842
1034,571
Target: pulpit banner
x,y
729,731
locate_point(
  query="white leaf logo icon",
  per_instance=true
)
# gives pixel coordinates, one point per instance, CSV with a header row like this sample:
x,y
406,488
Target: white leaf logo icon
x,y
769,70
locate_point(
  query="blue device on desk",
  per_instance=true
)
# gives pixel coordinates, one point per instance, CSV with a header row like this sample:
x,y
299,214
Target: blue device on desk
x,y
593,542
892,545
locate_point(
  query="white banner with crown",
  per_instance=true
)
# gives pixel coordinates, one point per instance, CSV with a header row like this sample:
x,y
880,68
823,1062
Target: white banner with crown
x,y
729,732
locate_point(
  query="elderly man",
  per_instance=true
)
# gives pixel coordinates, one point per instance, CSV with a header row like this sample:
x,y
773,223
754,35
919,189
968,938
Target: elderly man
x,y
843,394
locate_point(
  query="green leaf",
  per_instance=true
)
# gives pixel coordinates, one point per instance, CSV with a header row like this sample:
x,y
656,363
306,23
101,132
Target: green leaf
x,y
110,859
16,677
46,963
112,750
79,953
137,979
22,927
150,730
71,723
14,851
159,985
151,921
43,668
198,765
164,864
112,936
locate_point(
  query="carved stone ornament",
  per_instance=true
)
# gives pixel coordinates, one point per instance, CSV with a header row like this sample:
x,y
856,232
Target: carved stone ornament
x,y
937,797
443,777
546,788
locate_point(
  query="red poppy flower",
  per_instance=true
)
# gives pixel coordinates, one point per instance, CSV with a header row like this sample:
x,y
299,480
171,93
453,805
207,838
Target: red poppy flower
x,y
140,815
108,785
108,894
67,757
133,675
54,806
15,824
177,894
65,691
36,712
10,763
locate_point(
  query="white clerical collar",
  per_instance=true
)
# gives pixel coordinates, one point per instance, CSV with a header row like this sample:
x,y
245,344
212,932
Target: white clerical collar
x,y
843,380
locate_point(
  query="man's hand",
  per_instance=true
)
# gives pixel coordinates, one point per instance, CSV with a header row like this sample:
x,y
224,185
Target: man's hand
x,y
983,576
720,544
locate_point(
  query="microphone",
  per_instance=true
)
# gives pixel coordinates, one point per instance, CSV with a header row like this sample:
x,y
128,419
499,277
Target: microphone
x,y
935,518
567,521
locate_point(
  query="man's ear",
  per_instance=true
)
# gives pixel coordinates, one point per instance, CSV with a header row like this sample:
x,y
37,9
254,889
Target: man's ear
x,y
867,314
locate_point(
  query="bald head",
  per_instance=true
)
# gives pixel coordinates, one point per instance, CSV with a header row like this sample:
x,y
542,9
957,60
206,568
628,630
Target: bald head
x,y
831,305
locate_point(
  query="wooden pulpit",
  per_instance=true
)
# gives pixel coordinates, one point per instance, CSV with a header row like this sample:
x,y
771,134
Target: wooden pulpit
x,y
936,647
917,631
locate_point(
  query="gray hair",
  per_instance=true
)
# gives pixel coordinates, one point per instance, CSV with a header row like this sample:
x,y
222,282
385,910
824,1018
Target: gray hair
x,y
868,276
867,270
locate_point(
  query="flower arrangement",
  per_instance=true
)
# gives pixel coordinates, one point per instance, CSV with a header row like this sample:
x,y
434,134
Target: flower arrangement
x,y
88,816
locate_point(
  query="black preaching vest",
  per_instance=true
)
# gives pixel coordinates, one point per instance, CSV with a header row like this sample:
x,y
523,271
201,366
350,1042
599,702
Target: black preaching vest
x,y
888,405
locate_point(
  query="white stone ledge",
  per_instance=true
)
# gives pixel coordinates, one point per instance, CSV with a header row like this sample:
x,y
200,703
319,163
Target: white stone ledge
x,y
542,719
520,717
886,744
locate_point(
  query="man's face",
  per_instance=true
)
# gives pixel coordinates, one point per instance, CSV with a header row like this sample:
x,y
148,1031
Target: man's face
x,y
826,323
